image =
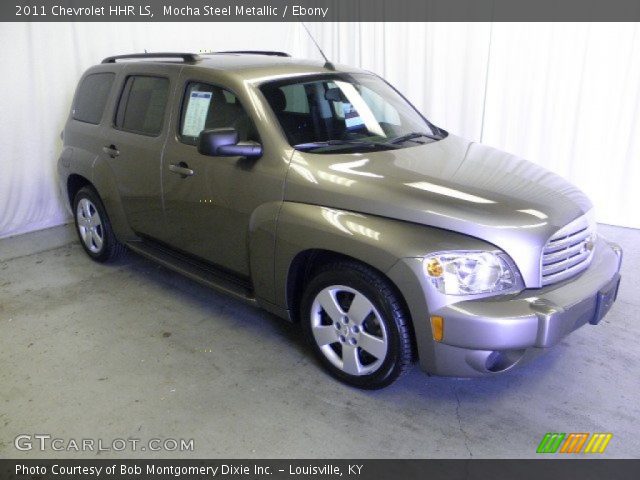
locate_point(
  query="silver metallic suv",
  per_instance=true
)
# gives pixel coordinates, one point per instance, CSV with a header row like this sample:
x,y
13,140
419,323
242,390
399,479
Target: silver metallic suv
x,y
322,195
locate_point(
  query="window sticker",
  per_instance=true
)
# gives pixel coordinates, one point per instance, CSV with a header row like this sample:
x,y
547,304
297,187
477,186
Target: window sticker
x,y
352,118
196,115
357,112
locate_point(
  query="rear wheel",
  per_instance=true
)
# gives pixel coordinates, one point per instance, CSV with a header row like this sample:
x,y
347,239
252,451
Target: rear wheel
x,y
356,325
93,227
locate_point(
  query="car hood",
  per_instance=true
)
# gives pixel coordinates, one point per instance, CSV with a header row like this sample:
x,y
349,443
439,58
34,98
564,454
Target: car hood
x,y
452,184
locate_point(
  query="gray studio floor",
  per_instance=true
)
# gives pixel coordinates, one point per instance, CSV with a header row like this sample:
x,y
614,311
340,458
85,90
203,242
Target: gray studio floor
x,y
134,351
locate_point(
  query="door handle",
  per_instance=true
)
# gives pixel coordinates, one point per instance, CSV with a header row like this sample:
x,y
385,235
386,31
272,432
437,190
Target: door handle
x,y
181,169
111,150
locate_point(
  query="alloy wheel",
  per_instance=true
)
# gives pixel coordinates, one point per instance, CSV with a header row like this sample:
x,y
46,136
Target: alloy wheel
x,y
349,330
90,225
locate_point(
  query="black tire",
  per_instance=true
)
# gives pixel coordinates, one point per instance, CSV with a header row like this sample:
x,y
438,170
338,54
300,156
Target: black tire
x,y
110,249
388,310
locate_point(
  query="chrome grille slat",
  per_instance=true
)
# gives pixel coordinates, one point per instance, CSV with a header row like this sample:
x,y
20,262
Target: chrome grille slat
x,y
563,275
559,255
565,264
568,251
557,237
555,245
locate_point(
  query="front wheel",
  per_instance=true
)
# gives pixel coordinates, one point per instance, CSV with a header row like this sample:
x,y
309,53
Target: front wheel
x,y
356,325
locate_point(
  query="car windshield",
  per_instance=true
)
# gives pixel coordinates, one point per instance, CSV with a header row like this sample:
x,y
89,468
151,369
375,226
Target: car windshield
x,y
346,113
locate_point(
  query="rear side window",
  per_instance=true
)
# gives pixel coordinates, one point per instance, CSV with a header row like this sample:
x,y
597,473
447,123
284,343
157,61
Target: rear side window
x,y
142,105
296,98
92,97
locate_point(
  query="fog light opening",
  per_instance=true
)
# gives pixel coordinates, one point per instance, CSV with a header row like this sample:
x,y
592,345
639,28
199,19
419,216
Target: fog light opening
x,y
499,361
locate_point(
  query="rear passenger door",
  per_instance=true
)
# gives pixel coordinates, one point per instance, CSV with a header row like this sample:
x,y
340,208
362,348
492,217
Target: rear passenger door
x,y
134,143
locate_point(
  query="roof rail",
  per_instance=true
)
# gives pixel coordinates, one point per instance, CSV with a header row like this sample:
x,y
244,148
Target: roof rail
x,y
186,57
255,52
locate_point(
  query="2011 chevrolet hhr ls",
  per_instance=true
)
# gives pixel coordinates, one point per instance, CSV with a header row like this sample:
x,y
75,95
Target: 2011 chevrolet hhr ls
x,y
322,195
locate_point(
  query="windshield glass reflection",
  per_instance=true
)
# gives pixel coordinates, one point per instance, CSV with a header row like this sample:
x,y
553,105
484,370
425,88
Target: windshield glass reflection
x,y
346,113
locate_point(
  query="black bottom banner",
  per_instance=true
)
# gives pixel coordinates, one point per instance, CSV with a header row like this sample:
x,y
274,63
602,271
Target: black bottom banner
x,y
561,469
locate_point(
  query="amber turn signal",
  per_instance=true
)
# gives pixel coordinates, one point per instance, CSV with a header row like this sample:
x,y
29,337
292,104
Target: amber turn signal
x,y
437,327
433,267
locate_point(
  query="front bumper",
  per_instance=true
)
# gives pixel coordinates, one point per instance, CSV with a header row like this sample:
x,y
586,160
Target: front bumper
x,y
494,334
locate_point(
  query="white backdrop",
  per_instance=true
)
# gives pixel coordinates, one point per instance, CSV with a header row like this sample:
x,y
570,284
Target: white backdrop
x,y
566,96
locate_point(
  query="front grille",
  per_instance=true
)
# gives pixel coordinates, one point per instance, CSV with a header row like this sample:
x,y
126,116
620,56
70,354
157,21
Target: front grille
x,y
568,251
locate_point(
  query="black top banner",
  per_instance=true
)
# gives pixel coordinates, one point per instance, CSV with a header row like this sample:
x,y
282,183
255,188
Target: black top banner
x,y
319,10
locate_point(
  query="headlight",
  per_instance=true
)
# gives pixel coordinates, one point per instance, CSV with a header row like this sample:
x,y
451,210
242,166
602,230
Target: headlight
x,y
469,272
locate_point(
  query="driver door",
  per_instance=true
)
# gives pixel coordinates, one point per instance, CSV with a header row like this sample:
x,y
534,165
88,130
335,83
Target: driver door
x,y
208,201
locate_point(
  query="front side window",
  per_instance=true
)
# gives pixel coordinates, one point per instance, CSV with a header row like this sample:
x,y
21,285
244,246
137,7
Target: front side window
x,y
208,107
346,112
92,97
142,105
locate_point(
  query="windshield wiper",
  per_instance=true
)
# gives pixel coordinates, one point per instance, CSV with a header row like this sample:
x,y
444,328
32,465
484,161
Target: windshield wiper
x,y
412,136
340,143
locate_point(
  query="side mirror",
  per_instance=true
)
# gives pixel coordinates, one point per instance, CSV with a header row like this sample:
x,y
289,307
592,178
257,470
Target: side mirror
x,y
223,142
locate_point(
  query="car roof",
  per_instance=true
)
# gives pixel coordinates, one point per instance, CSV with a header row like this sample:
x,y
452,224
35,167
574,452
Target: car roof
x,y
252,66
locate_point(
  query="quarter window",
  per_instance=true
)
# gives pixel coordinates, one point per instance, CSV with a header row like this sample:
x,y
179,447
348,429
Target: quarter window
x,y
207,107
142,105
92,97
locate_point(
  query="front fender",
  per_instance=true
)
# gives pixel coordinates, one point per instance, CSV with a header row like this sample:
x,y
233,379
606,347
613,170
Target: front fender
x,y
376,241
